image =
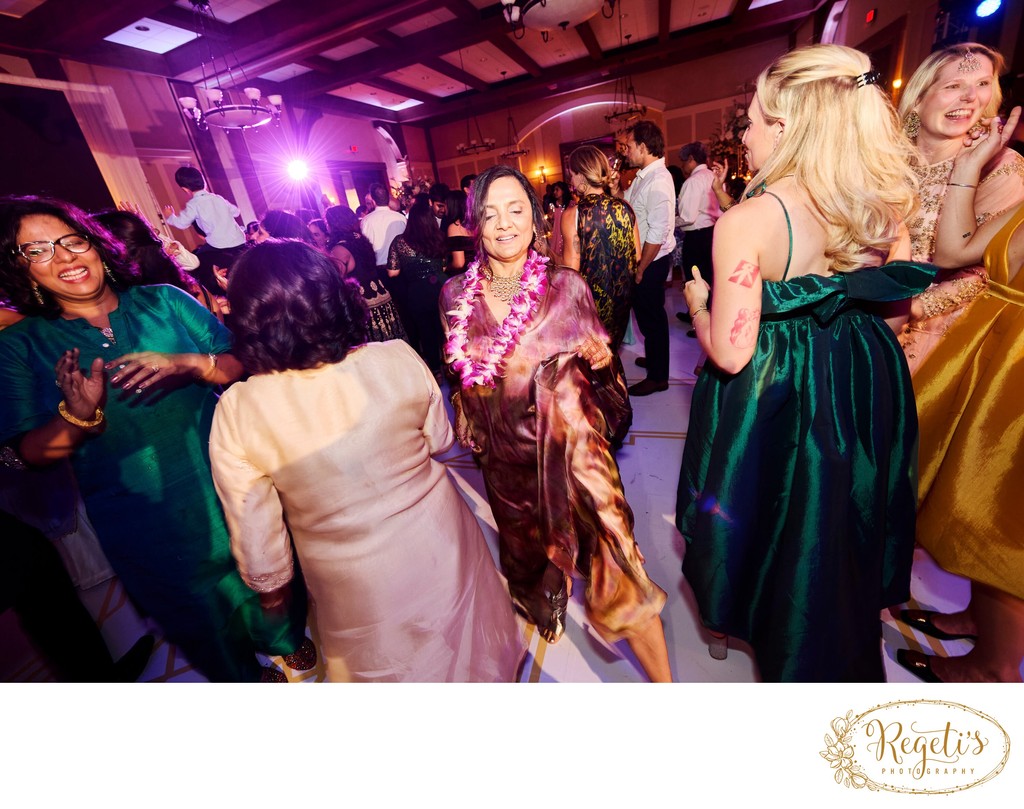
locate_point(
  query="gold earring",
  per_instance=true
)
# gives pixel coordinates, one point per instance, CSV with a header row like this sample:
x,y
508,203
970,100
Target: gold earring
x,y
37,295
110,275
912,124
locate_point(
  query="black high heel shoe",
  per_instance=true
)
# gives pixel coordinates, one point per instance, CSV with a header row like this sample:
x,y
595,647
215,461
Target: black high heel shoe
x,y
918,664
923,621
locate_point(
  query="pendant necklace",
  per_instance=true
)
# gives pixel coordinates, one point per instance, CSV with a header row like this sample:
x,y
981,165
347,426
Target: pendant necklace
x,y
502,287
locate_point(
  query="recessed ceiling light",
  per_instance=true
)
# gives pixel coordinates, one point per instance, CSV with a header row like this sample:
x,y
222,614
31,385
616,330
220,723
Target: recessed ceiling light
x,y
141,27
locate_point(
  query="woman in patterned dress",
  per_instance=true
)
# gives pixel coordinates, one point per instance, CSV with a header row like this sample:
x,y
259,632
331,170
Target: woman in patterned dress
x,y
601,240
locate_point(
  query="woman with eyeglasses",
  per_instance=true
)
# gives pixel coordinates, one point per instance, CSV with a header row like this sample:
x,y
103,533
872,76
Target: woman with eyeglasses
x,y
120,378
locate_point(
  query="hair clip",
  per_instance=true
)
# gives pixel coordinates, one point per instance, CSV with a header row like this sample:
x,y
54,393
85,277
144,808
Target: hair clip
x,y
871,77
969,63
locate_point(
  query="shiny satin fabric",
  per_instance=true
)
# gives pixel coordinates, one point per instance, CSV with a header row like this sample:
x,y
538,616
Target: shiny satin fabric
x,y
970,398
797,493
545,438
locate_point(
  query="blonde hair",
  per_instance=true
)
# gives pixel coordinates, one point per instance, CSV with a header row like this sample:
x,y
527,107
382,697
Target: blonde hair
x,y
928,71
844,145
592,165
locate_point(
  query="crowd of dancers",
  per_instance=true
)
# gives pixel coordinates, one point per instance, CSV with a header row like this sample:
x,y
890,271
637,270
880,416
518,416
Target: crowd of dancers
x,y
256,436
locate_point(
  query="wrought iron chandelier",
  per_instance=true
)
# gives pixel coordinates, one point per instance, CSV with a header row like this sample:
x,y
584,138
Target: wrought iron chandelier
x,y
220,112
512,149
546,15
625,106
478,144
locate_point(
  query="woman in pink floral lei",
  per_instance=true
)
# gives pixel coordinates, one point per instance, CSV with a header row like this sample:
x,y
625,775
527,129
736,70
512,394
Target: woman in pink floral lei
x,y
537,401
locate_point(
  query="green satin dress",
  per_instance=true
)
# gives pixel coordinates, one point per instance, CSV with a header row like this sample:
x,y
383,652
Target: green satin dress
x,y
146,478
798,491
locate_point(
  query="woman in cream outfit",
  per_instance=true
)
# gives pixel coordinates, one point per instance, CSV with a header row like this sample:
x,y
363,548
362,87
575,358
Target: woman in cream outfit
x,y
329,446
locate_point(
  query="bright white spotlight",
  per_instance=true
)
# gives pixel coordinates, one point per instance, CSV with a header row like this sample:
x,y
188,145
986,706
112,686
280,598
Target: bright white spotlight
x,y
987,8
298,170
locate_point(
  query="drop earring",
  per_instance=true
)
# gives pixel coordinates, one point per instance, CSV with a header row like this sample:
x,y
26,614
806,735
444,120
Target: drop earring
x,y
38,295
110,275
912,124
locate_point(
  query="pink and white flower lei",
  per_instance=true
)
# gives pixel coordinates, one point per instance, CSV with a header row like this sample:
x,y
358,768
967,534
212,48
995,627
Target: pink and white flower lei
x,y
533,284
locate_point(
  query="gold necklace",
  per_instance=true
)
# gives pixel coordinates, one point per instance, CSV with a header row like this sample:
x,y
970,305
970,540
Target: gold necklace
x,y
503,287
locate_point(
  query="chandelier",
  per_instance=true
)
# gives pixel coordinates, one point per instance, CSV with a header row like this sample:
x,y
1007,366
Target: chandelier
x,y
479,143
546,15
220,112
512,150
625,106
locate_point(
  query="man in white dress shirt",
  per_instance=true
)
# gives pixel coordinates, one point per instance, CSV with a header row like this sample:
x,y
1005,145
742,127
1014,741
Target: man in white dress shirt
x,y
382,224
652,196
697,213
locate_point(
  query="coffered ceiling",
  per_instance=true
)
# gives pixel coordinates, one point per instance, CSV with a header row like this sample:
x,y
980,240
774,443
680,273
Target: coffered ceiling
x,y
400,60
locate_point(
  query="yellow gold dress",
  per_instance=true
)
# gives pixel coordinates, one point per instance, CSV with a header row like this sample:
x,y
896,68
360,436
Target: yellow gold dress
x,y
970,401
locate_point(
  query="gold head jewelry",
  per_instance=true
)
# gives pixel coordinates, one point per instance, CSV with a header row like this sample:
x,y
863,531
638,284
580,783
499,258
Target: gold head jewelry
x,y
969,62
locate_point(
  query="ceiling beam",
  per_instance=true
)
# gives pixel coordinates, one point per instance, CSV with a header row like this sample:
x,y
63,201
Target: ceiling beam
x,y
665,19
452,72
413,49
285,32
64,25
589,39
683,46
391,86
514,52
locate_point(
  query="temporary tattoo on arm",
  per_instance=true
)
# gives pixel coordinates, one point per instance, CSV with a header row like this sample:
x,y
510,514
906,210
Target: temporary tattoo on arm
x,y
744,330
745,274
967,235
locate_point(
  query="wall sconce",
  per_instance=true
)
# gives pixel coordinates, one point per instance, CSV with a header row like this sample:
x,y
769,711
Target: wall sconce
x,y
543,176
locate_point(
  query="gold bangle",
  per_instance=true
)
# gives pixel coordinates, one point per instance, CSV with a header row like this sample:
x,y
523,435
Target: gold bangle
x,y
455,394
698,310
962,185
205,375
97,417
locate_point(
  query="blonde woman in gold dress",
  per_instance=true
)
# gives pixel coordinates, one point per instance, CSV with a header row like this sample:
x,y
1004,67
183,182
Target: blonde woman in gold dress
x,y
969,393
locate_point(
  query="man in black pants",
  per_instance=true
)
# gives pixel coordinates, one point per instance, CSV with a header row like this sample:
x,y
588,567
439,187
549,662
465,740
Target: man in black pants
x,y
652,197
697,213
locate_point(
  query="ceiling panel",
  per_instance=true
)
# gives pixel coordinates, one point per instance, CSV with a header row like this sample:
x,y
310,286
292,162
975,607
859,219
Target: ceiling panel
x,y
422,22
562,46
374,96
231,10
423,78
485,62
18,8
687,13
285,73
639,22
353,48
150,35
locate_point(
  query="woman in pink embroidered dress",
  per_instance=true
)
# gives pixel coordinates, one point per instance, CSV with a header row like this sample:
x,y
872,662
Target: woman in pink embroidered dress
x,y
943,104
538,403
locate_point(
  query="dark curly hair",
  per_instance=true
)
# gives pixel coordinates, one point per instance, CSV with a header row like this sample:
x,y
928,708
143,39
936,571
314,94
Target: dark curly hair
x,y
15,280
291,309
284,225
146,251
478,201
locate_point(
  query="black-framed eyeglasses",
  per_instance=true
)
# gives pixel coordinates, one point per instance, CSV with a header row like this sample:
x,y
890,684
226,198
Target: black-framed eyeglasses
x,y
40,252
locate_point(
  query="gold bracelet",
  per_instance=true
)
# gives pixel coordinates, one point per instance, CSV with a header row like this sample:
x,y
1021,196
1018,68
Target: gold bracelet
x,y
205,375
97,417
962,185
455,394
698,310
